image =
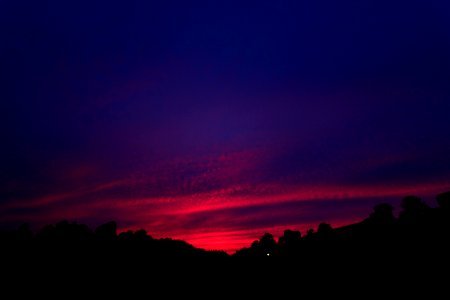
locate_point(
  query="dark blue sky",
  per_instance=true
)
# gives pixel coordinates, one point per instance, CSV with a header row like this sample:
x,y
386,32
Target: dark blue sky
x,y
230,117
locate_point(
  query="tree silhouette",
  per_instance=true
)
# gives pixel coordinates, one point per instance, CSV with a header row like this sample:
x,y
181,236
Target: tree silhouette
x,y
106,232
290,242
382,216
444,201
290,238
324,230
413,209
267,244
24,233
419,237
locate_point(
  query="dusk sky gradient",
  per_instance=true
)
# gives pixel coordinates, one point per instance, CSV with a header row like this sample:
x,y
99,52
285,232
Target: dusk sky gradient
x,y
217,121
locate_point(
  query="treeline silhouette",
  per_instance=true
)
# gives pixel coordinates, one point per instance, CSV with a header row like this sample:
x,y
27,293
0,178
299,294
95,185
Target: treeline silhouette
x,y
418,228
415,242
418,225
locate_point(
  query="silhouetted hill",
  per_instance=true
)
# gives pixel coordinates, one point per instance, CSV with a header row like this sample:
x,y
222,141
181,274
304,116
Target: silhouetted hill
x,y
381,246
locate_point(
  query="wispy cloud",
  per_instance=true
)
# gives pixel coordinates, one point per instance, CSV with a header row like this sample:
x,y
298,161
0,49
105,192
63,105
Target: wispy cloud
x,y
222,202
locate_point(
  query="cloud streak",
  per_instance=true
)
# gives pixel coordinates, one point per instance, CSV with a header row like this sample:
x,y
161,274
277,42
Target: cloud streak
x,y
216,123
218,202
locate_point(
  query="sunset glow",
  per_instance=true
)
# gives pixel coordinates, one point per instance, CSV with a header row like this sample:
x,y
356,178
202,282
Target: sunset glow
x,y
217,122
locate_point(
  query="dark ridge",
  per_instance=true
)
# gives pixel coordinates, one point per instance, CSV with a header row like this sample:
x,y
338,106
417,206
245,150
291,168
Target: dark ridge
x,y
414,245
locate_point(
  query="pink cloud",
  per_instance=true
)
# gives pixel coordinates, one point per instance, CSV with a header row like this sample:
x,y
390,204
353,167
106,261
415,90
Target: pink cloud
x,y
202,200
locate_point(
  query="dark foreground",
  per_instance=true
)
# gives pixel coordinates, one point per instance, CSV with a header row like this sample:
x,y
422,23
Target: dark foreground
x,y
409,254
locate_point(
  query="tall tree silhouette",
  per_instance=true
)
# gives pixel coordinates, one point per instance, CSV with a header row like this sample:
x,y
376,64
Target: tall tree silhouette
x,y
413,209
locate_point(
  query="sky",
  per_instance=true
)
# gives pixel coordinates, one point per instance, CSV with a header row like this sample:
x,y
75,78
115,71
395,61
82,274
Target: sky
x,y
217,121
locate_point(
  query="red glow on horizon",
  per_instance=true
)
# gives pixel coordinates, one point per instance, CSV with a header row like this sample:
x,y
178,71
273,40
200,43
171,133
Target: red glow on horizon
x,y
214,202
220,233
